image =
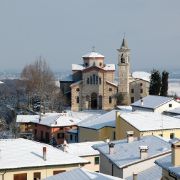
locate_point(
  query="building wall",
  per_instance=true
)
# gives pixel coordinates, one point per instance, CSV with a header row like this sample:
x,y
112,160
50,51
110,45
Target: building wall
x,y
86,134
123,126
92,166
45,171
135,89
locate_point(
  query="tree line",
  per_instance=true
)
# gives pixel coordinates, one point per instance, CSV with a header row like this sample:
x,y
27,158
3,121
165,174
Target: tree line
x,y
159,83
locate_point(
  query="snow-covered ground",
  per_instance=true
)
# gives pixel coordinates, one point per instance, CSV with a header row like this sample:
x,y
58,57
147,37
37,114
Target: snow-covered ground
x,y
174,87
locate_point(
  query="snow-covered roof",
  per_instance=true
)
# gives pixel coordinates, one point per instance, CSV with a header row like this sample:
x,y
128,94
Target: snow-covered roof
x,y
175,111
125,108
83,148
112,83
67,78
49,119
128,153
93,55
99,121
165,163
77,67
81,173
109,67
1,82
146,121
152,173
22,153
141,75
152,102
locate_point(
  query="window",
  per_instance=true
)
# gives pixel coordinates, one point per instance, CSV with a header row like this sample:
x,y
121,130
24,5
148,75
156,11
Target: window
x,y
37,176
141,90
96,160
77,89
96,79
132,90
71,137
141,84
91,80
60,135
100,64
160,135
57,172
42,134
99,80
170,105
22,176
87,80
110,99
86,64
77,99
132,99
110,89
172,135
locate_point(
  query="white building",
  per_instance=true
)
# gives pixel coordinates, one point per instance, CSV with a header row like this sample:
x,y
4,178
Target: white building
x,y
155,104
125,157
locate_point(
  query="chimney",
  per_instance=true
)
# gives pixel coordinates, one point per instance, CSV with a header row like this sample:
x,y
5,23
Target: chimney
x,y
111,148
65,146
142,102
175,156
135,176
44,153
143,152
130,136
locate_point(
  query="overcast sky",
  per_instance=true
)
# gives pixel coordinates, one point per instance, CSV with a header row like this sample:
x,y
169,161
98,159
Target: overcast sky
x,y
63,31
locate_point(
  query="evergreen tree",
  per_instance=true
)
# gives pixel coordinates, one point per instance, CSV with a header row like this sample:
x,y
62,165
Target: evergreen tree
x,y
164,86
155,83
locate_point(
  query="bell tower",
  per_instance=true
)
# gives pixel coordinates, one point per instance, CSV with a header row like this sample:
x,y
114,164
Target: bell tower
x,y
123,71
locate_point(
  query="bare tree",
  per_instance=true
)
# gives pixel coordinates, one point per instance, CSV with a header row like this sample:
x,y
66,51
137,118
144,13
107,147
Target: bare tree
x,y
40,81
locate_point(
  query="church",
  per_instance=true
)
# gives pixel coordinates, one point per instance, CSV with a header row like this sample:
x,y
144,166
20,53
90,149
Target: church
x,y
93,85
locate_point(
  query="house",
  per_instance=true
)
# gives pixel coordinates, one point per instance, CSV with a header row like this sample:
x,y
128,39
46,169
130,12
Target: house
x,y
84,150
49,127
171,164
154,103
143,123
81,173
93,84
23,159
97,128
123,158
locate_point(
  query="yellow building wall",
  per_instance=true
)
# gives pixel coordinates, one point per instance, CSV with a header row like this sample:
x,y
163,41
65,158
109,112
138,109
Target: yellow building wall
x,y
123,126
86,134
45,172
91,166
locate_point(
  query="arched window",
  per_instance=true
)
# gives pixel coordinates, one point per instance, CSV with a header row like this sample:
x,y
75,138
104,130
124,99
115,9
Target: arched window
x,y
91,80
94,77
77,99
87,80
110,89
122,59
99,80
77,90
110,99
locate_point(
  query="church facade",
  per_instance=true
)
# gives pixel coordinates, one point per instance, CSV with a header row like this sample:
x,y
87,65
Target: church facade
x,y
94,85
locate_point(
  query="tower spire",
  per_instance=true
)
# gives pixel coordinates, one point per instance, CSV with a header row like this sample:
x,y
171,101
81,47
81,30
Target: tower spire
x,y
124,43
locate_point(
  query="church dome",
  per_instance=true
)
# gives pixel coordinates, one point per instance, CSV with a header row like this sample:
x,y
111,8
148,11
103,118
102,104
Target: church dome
x,y
93,55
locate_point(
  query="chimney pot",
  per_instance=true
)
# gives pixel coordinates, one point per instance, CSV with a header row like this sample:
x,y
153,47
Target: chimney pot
x,y
44,153
142,102
135,176
143,152
175,154
130,136
111,148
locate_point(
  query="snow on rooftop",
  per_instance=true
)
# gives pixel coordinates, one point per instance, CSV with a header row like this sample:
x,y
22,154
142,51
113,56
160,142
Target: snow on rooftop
x,y
99,121
175,110
125,108
141,75
152,101
22,153
1,82
49,119
128,153
109,67
67,78
93,55
165,163
77,67
81,173
146,121
83,148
